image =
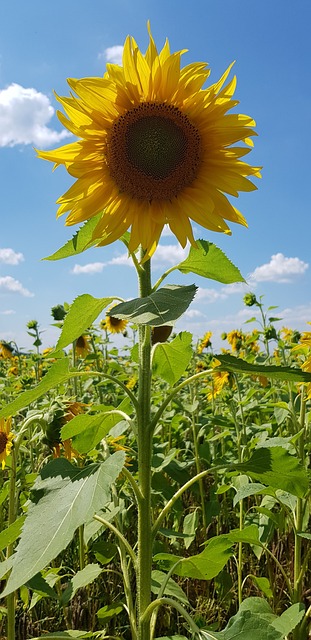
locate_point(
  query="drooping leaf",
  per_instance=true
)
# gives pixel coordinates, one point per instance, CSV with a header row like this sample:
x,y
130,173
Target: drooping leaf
x,y
9,535
81,579
62,505
250,489
58,373
87,430
171,589
73,634
81,241
245,625
170,360
277,468
263,584
237,365
161,307
190,526
209,261
82,312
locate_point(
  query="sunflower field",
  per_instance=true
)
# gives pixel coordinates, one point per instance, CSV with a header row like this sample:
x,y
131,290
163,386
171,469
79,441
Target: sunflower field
x,y
155,491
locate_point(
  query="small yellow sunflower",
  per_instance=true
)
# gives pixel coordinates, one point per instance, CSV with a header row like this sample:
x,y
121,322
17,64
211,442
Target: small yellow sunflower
x,y
6,437
115,325
235,339
154,148
205,342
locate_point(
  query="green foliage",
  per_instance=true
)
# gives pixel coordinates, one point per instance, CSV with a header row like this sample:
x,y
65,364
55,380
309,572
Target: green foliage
x,y
171,360
276,467
82,313
9,535
209,261
81,579
162,307
237,365
65,498
81,241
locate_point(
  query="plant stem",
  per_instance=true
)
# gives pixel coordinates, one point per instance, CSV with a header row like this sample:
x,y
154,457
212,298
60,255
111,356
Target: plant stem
x,y
11,518
144,443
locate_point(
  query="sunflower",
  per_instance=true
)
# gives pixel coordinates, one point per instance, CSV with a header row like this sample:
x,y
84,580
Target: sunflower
x,y
205,342
113,325
6,351
6,437
82,346
154,148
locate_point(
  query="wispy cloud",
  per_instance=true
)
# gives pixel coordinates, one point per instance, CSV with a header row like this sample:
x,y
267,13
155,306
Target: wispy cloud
x,y
9,256
24,117
165,255
9,284
7,312
112,54
90,268
279,269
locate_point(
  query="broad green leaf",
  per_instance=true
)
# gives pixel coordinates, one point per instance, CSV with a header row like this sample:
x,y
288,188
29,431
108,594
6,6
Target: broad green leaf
x,y
42,587
161,307
237,365
5,566
171,359
250,489
81,579
104,550
171,588
82,313
209,261
9,535
172,638
249,535
87,430
245,625
288,621
81,241
58,373
109,611
277,468
205,565
62,505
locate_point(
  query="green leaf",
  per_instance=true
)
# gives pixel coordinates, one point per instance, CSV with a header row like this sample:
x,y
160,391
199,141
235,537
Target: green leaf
x,y
9,535
63,503
42,587
263,584
171,589
172,638
60,635
277,468
190,526
161,307
104,551
87,430
289,620
58,373
81,579
250,489
109,611
81,241
205,565
245,625
237,365
209,261
82,313
171,360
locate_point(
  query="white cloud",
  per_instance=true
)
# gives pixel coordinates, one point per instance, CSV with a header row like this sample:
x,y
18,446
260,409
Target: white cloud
x,y
279,269
209,295
193,313
124,260
112,54
169,254
24,117
90,268
9,256
7,312
7,283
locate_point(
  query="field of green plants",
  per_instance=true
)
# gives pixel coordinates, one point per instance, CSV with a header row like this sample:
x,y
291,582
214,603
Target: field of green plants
x,y
230,497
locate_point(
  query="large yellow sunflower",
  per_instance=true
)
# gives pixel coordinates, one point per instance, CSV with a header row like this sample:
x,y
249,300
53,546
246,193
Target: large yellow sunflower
x,y
155,148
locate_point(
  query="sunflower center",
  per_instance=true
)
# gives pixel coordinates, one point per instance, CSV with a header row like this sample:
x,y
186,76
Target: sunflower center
x,y
153,151
3,441
114,321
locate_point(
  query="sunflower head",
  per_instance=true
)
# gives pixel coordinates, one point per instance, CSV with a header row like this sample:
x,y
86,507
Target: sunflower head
x,y
112,324
6,437
82,346
6,351
154,147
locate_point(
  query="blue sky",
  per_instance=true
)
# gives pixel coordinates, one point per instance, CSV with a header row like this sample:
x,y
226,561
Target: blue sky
x,y
42,43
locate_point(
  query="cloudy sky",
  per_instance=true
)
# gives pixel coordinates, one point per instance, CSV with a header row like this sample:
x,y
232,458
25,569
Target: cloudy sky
x,y
42,43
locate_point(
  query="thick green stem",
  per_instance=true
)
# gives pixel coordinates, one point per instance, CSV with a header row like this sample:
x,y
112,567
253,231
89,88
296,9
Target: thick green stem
x,y
144,442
